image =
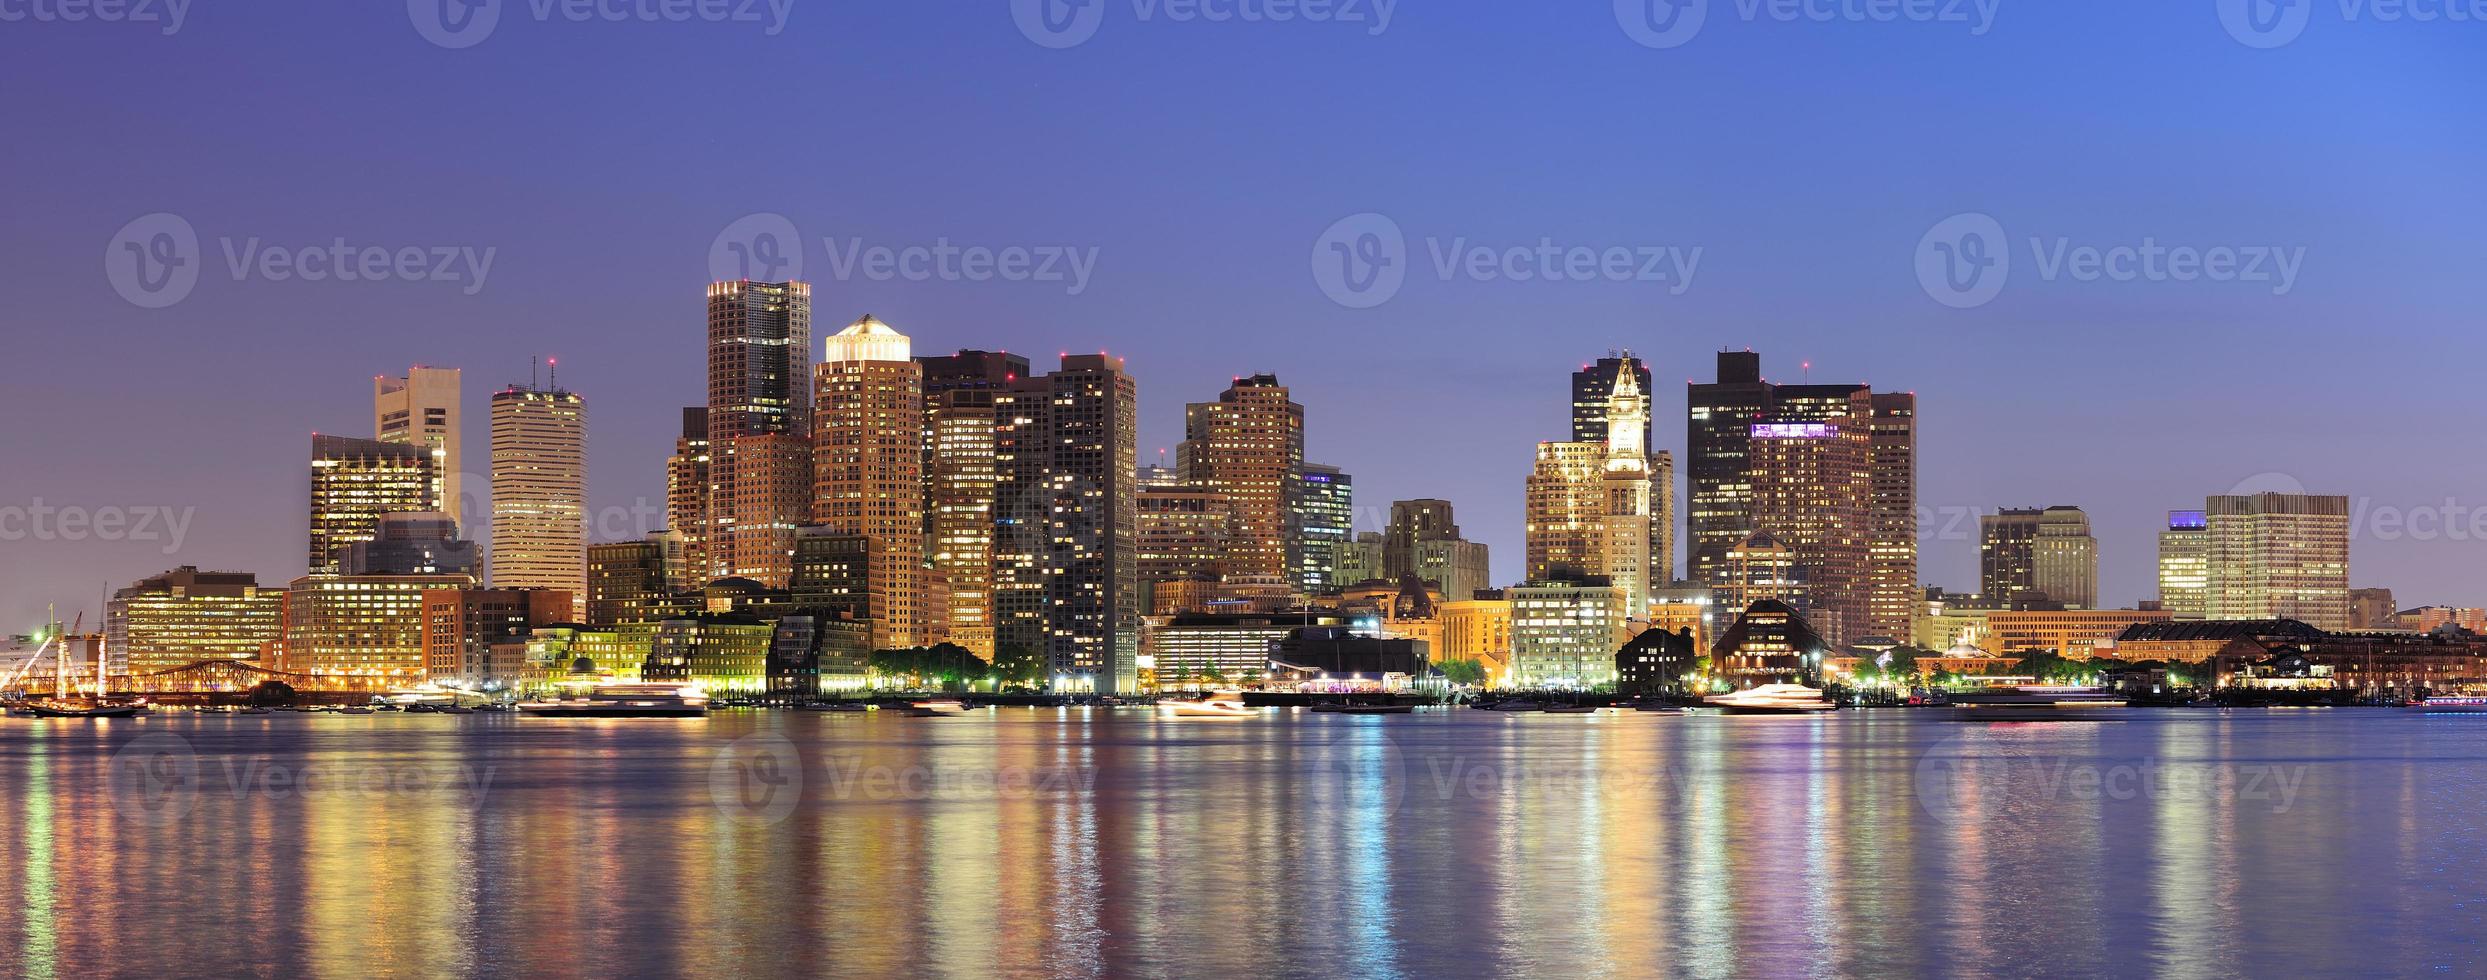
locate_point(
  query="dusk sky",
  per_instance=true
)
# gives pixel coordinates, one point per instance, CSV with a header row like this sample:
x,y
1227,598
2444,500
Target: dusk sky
x,y
599,160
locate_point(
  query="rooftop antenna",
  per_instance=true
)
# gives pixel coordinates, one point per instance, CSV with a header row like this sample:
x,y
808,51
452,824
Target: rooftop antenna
x,y
552,372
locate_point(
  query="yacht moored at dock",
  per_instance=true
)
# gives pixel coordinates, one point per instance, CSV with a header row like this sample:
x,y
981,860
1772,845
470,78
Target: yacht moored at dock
x,y
624,701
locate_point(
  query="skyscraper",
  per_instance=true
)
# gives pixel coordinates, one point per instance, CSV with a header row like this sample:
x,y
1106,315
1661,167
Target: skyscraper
x,y
1725,418
1626,480
1892,523
1719,431
1248,445
2279,556
1321,518
2008,554
869,466
1566,515
421,409
2064,558
539,492
2185,564
959,390
759,427
353,482
687,488
1593,389
1812,490
1066,556
1183,533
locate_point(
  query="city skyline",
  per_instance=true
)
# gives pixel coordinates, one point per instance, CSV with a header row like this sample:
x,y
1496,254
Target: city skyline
x,y
1803,261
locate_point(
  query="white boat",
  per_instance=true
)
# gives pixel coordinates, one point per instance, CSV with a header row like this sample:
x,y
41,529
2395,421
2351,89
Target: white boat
x,y
2036,703
937,708
1772,699
624,701
2452,706
78,708
837,706
1516,705
1218,707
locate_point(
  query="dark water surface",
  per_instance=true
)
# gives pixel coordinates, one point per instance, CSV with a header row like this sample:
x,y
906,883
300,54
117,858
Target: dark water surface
x,y
1019,842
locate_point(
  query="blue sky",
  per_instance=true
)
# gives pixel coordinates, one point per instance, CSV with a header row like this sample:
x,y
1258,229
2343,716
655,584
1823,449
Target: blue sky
x,y
1199,162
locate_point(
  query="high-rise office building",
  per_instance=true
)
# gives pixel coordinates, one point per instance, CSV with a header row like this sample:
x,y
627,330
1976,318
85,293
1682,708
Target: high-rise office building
x,y
363,626
1248,445
1321,518
1812,492
353,482
1566,515
1891,540
687,489
2064,558
868,451
1593,391
759,427
2279,556
627,582
959,474
1719,431
1066,555
539,492
413,543
421,409
185,615
2008,554
1728,417
1183,534
1592,506
2185,564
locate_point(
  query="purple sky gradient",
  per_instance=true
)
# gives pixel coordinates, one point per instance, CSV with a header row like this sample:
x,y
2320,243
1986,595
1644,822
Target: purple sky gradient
x,y
601,160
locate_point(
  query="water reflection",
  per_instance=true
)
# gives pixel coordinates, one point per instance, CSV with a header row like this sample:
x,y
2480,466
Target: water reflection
x,y
1085,843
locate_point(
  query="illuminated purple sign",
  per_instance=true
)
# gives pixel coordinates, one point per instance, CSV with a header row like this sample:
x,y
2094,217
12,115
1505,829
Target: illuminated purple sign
x,y
2187,520
1794,430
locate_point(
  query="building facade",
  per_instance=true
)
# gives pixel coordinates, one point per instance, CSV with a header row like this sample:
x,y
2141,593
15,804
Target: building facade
x,y
759,427
361,626
421,410
539,491
2185,564
2064,558
1321,519
1248,446
2279,556
960,479
868,452
1564,635
185,615
353,482
1066,551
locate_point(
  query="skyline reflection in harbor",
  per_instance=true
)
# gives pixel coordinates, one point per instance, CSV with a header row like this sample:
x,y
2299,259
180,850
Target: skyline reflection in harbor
x,y
1021,842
